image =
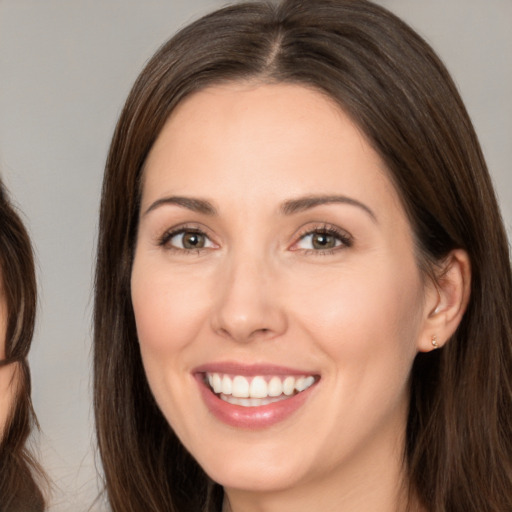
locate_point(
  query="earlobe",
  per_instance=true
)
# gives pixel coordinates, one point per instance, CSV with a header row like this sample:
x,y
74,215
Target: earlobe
x,y
446,301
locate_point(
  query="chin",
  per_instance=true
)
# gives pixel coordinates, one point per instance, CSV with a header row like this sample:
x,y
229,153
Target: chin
x,y
255,478
256,466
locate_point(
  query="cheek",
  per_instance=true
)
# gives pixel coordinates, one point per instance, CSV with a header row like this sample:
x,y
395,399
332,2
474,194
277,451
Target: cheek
x,y
169,312
365,326
169,309
365,316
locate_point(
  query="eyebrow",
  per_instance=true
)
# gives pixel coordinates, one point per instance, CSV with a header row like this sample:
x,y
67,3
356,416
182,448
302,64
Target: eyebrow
x,y
287,208
195,205
305,203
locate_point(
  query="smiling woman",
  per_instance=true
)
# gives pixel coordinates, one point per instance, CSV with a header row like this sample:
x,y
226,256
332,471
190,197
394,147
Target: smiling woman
x,y
303,286
308,307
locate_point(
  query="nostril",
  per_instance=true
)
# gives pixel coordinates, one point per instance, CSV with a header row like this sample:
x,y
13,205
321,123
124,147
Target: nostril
x,y
250,321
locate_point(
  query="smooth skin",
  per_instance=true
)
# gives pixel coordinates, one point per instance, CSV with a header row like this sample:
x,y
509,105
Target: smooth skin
x,y
245,270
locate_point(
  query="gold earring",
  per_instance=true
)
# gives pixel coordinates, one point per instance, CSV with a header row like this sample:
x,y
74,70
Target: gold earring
x,y
434,342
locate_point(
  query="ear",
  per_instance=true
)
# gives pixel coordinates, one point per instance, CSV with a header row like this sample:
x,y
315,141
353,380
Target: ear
x,y
446,301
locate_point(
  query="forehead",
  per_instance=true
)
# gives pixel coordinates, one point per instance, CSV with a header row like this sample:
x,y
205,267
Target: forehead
x,y
276,139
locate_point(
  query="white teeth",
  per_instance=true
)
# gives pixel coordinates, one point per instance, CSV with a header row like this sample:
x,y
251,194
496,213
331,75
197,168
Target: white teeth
x,y
227,385
300,384
304,383
308,383
240,387
216,383
257,388
251,402
288,386
275,388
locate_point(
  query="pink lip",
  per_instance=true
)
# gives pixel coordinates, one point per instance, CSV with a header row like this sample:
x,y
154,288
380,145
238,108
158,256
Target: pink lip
x,y
233,368
250,417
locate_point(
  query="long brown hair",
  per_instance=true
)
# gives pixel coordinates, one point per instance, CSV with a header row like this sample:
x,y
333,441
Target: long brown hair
x,y
458,452
18,469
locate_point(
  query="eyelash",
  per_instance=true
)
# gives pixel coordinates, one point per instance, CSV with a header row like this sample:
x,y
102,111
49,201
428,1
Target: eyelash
x,y
164,240
324,229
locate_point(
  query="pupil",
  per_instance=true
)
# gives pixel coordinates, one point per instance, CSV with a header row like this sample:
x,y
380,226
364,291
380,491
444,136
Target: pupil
x,y
193,241
323,241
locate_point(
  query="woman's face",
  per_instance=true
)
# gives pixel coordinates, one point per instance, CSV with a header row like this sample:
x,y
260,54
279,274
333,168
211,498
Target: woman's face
x,y
7,373
275,263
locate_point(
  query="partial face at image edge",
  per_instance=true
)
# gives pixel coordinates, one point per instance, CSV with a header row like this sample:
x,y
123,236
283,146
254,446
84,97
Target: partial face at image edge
x,y
7,372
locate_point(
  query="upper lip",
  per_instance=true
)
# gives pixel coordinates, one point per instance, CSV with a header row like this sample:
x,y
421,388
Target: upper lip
x,y
238,368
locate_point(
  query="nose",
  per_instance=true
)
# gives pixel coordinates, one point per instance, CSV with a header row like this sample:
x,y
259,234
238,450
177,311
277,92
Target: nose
x,y
248,304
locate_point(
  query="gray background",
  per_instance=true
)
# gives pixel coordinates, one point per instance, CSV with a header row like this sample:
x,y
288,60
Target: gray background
x,y
65,69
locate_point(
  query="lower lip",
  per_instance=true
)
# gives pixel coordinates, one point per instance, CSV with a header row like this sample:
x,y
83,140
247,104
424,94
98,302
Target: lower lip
x,y
251,417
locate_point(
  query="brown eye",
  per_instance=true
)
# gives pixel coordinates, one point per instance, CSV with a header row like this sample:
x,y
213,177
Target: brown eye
x,y
191,240
187,240
323,241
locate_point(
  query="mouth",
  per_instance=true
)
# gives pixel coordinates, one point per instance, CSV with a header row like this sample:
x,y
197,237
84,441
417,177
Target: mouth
x,y
254,396
256,390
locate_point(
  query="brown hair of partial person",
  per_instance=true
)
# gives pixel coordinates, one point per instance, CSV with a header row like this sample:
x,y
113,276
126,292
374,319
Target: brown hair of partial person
x,y
19,472
458,453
